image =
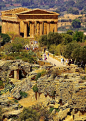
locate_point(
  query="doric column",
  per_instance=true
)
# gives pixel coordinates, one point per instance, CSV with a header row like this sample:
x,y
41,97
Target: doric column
x,y
3,27
25,30
48,27
45,28
38,28
51,26
33,29
30,29
55,26
8,26
41,28
16,74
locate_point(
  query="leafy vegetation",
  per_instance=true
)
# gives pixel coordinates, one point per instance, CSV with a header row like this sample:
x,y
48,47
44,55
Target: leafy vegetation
x,y
73,11
52,38
23,94
71,44
16,101
7,87
1,84
70,32
15,50
29,114
76,23
40,74
35,88
16,46
0,114
37,76
78,36
51,109
25,56
69,49
34,114
5,38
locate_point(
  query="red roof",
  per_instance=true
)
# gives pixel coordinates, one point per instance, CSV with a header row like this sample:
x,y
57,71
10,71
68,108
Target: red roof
x,y
7,5
17,4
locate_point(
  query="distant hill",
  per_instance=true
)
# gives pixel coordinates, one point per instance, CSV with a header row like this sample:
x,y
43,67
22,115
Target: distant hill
x,y
61,6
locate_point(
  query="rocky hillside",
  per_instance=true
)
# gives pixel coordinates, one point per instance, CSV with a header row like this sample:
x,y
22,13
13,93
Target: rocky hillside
x,y
58,89
71,6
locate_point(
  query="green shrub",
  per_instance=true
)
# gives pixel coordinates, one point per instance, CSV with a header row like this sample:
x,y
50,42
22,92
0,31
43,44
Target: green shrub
x,y
5,37
8,87
51,109
57,110
17,57
25,59
0,114
23,94
76,23
35,88
16,101
9,102
37,76
83,77
43,72
9,57
29,114
1,84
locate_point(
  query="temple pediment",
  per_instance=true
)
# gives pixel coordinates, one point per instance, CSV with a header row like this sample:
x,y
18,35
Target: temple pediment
x,y
37,11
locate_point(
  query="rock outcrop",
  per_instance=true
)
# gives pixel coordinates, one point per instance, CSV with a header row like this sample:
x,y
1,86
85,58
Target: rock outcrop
x,y
68,88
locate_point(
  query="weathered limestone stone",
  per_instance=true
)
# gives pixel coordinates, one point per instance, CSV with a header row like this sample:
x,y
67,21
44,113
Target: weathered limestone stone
x,y
56,106
68,88
12,113
63,113
69,118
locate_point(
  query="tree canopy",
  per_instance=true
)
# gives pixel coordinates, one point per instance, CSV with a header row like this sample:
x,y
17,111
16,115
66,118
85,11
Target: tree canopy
x,y
5,38
76,23
69,49
78,36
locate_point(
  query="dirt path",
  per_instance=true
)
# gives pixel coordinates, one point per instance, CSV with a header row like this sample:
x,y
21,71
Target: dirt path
x,y
54,61
31,100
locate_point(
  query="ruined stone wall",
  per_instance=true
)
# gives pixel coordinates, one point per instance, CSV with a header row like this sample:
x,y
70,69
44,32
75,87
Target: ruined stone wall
x,y
68,89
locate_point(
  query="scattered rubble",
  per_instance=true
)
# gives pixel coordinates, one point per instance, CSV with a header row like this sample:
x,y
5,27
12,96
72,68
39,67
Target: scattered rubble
x,y
63,87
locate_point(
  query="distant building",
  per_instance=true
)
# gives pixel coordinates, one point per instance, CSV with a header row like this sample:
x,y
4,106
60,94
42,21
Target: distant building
x,y
7,5
28,22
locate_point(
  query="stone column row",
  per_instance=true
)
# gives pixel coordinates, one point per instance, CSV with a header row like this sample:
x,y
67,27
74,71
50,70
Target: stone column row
x,y
40,28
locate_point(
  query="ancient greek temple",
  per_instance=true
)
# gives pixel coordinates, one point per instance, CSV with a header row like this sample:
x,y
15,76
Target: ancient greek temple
x,y
28,23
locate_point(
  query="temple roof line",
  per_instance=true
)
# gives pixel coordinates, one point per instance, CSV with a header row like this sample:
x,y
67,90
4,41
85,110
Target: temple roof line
x,y
32,10
38,14
23,11
15,9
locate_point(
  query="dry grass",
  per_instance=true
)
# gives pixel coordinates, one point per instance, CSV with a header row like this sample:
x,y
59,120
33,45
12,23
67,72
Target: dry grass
x,y
68,17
